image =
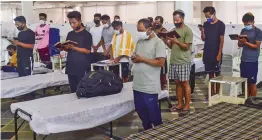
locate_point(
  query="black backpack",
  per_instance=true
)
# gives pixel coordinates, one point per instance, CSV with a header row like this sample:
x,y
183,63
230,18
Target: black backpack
x,y
99,83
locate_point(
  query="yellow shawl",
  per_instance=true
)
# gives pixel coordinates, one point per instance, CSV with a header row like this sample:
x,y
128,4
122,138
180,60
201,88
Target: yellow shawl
x,y
127,45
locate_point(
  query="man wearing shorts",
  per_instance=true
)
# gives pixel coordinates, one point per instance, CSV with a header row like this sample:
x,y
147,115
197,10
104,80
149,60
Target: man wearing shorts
x,y
212,33
180,61
250,53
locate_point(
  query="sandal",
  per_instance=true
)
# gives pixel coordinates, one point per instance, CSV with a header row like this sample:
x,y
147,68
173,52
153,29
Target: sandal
x,y
175,109
185,112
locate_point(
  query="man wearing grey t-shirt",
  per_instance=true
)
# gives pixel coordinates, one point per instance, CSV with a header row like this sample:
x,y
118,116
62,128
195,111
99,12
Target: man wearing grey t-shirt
x,y
250,53
148,58
107,35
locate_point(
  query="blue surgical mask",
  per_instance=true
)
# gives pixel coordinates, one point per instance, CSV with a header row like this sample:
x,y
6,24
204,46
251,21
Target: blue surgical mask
x,y
209,20
248,27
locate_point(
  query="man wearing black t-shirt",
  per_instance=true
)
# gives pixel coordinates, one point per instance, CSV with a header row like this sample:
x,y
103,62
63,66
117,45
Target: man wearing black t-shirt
x,y
212,33
25,45
78,63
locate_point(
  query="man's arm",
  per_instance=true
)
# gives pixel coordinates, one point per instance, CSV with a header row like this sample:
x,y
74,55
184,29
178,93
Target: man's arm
x,y
240,44
253,46
203,36
29,46
101,42
30,41
221,44
188,40
185,46
158,62
111,52
81,50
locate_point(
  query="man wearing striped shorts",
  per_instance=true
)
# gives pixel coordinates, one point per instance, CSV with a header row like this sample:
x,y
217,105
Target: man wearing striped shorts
x,y
180,61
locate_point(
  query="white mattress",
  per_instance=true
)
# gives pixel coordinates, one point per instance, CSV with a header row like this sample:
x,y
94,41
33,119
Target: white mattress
x,y
66,112
8,75
37,70
23,85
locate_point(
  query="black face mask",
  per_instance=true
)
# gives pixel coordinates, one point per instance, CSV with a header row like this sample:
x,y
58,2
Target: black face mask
x,y
96,21
158,26
77,28
9,53
20,28
178,24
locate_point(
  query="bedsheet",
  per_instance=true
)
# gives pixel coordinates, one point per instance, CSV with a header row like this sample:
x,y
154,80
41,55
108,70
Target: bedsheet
x,y
8,75
37,70
200,67
23,85
66,112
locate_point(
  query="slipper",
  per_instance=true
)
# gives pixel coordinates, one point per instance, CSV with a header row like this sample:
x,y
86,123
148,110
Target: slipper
x,y
184,112
175,109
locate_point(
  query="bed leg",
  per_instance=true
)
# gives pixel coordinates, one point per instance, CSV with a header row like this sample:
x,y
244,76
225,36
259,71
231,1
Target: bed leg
x,y
44,92
111,130
16,129
169,102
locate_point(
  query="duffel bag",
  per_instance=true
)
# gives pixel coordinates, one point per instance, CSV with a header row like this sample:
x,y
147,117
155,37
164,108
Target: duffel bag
x,y
99,83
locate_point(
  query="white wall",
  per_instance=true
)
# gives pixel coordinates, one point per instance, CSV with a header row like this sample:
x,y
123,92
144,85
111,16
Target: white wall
x,y
130,12
232,11
54,14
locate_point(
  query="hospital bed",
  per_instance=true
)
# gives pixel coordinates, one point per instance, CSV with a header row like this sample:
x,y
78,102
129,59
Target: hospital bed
x,y
66,112
23,85
223,121
10,75
39,68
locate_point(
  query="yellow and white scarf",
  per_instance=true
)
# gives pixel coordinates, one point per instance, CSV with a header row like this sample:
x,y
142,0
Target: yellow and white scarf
x,y
126,47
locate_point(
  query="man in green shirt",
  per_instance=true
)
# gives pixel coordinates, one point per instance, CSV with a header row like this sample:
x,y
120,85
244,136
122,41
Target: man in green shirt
x,y
180,61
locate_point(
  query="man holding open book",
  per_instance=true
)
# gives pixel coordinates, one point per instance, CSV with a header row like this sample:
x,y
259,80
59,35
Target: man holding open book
x,y
180,61
78,46
251,50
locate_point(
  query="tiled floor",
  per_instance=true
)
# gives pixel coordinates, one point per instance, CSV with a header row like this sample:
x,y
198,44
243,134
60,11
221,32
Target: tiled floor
x,y
129,124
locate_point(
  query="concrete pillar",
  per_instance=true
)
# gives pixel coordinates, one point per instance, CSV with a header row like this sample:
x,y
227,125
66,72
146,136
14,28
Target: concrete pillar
x,y
187,7
27,11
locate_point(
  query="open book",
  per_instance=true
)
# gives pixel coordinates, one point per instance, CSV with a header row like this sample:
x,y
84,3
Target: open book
x,y
236,36
60,45
170,34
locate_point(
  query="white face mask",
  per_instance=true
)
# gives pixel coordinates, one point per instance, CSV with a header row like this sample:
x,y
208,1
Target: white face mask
x,y
117,32
106,25
41,21
142,35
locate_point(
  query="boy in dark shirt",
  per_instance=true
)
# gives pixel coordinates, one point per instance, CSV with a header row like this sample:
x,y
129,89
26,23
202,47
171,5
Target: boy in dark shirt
x,y
77,64
25,45
212,33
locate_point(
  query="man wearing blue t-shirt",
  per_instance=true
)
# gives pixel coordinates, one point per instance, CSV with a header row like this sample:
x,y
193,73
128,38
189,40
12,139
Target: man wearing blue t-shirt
x,y
250,53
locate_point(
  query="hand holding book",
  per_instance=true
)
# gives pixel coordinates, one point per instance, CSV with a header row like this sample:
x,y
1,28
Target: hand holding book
x,y
65,45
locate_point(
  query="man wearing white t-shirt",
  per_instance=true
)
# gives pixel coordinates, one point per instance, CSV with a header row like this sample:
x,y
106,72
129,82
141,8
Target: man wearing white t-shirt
x,y
96,32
